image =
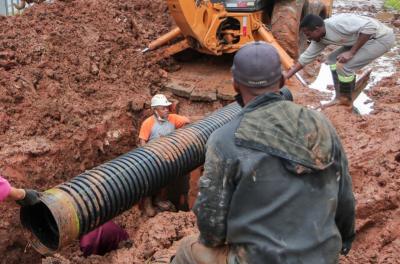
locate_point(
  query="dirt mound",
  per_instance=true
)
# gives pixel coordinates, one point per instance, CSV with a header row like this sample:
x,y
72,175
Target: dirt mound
x,y
152,239
72,90
372,144
66,65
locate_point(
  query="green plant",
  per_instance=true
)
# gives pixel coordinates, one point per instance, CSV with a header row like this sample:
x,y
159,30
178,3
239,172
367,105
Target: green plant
x,y
395,4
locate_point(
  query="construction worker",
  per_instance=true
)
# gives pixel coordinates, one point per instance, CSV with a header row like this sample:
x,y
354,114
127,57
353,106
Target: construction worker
x,y
21,196
361,40
276,186
103,239
160,124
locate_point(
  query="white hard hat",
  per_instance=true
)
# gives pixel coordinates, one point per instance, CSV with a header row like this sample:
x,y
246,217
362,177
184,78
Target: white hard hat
x,y
160,100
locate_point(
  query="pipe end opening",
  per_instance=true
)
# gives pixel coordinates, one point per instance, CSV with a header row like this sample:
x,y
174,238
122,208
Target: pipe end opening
x,y
39,220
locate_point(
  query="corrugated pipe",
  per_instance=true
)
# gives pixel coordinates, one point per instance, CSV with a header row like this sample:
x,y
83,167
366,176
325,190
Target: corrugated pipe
x,y
78,206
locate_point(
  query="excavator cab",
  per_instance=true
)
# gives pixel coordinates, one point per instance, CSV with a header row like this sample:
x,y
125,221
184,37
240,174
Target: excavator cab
x,y
244,5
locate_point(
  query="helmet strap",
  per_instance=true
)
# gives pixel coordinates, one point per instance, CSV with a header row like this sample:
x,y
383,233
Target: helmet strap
x,y
158,117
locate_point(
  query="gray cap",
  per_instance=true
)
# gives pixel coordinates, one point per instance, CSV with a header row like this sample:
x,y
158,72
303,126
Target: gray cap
x,y
257,65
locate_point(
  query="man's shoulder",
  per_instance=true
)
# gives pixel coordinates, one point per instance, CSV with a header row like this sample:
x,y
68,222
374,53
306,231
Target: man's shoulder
x,y
290,131
148,122
305,113
285,114
175,116
178,120
223,137
149,119
343,18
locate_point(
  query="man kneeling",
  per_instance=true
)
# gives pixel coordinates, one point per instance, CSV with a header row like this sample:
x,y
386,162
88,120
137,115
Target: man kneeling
x,y
276,186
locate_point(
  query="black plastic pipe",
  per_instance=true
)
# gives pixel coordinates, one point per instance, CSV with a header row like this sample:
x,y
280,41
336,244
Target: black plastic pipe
x,y
78,206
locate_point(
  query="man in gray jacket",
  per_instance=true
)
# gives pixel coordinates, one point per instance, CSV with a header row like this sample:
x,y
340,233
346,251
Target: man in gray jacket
x,y
361,40
276,186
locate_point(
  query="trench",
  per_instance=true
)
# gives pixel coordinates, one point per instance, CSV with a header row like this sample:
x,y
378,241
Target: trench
x,y
371,143
93,147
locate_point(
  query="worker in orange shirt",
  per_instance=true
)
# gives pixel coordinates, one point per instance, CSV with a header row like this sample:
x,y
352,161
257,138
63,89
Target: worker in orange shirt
x,y
160,124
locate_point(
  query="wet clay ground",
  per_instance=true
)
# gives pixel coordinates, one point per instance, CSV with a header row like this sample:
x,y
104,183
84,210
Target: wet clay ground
x,y
73,91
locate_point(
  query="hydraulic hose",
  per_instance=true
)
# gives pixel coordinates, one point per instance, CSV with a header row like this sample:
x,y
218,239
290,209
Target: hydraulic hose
x,y
74,208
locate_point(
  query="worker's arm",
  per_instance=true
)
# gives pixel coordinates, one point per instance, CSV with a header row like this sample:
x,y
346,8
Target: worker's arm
x,y
215,191
308,56
292,71
348,55
145,131
142,142
345,212
178,120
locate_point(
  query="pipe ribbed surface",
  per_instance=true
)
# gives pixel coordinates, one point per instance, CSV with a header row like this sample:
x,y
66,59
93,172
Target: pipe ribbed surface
x,y
92,198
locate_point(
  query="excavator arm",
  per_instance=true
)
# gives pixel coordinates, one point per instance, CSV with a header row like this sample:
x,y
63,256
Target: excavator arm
x,y
221,26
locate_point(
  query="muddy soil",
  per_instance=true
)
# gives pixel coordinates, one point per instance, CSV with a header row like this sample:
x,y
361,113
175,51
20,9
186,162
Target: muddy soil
x,y
74,89
372,144
72,92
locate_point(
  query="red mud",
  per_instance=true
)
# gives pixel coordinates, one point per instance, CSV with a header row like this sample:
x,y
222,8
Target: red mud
x,y
72,92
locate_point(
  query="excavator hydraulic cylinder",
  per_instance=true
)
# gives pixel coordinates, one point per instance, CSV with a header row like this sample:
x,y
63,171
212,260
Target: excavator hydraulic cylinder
x,y
163,39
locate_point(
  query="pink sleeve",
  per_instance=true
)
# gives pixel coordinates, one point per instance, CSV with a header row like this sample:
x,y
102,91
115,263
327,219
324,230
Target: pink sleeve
x,y
5,188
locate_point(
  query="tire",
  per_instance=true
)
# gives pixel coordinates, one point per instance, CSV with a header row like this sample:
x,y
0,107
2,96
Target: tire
x,y
316,8
285,22
311,7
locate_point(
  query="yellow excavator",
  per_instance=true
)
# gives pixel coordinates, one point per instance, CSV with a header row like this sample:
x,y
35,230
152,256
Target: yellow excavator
x,y
223,26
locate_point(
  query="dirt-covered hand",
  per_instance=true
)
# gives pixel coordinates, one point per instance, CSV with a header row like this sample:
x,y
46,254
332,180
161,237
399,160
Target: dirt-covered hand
x,y
285,75
31,198
344,57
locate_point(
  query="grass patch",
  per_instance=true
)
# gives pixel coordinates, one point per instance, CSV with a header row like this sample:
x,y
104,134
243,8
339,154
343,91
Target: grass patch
x,y
395,4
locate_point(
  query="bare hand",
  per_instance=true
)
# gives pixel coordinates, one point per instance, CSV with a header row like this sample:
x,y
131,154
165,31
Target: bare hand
x,y
345,57
285,75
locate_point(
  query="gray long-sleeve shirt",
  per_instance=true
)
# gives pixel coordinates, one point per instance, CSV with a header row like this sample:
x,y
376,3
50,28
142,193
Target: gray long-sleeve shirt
x,y
344,30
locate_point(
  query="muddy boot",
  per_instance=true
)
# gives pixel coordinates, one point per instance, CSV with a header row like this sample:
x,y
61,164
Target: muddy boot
x,y
335,79
346,87
148,207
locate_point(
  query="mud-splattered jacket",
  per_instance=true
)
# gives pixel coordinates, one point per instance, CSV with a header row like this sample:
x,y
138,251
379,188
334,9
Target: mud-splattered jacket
x,y
276,186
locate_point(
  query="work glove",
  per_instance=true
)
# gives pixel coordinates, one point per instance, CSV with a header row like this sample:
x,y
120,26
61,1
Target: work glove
x,y
31,198
346,246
